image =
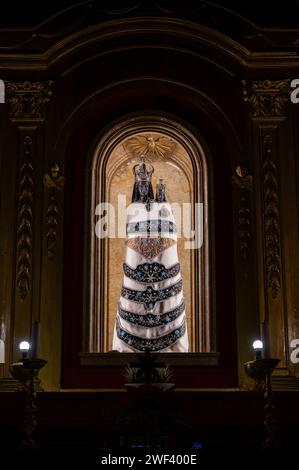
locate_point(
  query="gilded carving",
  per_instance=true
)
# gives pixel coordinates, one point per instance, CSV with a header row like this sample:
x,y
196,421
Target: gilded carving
x,y
25,220
27,100
271,219
242,180
244,227
52,224
151,146
53,181
266,98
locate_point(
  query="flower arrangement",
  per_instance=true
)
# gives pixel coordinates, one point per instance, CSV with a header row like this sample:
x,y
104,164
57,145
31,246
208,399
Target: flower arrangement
x,y
159,375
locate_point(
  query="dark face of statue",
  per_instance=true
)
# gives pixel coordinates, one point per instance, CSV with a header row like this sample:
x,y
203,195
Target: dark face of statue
x,y
143,187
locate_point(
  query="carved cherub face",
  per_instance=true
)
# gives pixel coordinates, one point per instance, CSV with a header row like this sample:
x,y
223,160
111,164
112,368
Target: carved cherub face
x,y
241,171
54,171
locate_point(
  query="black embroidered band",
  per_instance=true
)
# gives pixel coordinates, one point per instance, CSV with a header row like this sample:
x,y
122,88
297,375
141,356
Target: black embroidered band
x,y
151,226
150,296
154,344
151,272
150,320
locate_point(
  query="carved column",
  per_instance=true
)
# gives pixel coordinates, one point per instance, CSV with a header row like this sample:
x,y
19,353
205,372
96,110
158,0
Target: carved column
x,y
245,264
27,109
267,102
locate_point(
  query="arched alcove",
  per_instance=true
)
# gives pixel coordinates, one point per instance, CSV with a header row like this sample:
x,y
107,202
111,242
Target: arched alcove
x,y
182,162
90,136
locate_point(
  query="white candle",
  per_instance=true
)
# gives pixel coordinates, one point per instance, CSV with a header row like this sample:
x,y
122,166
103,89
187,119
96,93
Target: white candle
x,y
2,351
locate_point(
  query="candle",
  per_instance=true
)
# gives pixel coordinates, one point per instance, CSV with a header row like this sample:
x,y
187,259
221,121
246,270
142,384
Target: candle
x,y
2,351
35,337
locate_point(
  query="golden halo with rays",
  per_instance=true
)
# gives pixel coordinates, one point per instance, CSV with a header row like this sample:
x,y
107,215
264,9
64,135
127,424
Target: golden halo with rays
x,y
151,146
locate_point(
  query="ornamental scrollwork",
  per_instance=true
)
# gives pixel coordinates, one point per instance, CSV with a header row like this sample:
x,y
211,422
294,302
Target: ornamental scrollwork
x,y
242,180
244,227
271,219
53,181
25,220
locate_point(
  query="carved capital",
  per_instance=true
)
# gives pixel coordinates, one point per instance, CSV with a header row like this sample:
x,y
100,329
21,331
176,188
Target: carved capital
x,y
266,98
28,100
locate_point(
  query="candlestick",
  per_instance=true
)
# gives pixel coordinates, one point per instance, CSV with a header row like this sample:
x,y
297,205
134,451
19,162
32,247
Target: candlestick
x,y
35,338
27,373
260,370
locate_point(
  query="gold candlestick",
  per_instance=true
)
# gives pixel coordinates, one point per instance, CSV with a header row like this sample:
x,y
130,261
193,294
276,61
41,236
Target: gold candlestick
x,y
261,370
26,372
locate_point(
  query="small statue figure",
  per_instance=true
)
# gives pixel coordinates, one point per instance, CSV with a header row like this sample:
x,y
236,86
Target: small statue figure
x,y
143,190
160,191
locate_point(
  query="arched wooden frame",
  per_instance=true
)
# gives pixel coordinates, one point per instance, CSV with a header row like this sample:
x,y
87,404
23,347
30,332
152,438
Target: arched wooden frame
x,y
96,249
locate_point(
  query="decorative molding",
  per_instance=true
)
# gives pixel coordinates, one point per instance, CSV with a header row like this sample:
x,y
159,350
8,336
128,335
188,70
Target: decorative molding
x,y
52,224
27,100
53,181
271,218
244,227
25,220
205,16
266,98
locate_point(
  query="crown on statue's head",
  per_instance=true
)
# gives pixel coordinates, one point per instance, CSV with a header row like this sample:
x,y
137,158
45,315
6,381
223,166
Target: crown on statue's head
x,y
143,171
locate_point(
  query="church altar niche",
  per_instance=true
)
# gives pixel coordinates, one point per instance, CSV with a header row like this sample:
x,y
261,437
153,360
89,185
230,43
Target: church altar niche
x,y
112,177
